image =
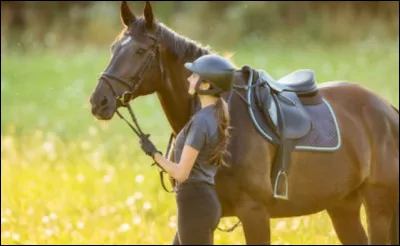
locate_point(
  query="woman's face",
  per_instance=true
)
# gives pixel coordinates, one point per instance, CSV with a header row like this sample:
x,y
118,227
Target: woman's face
x,y
193,78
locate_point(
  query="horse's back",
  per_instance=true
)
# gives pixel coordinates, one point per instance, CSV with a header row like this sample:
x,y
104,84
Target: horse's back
x,y
354,96
374,115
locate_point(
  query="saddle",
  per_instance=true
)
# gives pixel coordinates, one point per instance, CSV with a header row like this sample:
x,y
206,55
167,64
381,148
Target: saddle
x,y
282,104
281,99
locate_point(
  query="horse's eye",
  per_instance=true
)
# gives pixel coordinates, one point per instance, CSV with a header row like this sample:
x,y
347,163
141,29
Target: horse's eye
x,y
140,51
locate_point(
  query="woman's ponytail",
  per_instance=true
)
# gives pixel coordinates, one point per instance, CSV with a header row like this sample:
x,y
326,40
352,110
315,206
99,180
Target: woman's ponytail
x,y
222,115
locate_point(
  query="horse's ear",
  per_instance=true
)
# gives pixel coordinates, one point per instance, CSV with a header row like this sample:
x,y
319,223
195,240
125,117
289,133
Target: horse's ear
x,y
127,17
148,14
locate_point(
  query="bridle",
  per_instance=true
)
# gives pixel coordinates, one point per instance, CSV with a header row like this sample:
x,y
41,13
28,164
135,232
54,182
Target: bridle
x,y
133,85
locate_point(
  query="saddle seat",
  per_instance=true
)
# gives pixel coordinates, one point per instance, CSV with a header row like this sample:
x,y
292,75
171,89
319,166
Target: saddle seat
x,y
301,81
280,101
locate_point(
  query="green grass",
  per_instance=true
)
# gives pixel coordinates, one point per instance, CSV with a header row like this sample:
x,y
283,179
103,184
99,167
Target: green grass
x,y
67,178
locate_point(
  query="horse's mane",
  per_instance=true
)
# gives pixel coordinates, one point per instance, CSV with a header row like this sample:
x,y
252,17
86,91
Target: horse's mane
x,y
182,47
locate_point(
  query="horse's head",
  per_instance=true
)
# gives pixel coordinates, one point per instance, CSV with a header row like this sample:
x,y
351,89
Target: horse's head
x,y
135,66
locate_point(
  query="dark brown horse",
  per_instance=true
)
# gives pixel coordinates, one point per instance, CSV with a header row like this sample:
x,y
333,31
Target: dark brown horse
x,y
364,170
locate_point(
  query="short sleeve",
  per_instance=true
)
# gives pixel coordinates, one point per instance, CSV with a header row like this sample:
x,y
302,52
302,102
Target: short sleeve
x,y
197,132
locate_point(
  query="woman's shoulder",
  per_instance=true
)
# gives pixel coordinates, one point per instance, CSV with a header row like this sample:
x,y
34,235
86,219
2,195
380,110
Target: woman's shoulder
x,y
206,122
198,119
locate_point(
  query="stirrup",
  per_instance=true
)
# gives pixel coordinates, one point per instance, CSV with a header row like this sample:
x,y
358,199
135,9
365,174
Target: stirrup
x,y
285,195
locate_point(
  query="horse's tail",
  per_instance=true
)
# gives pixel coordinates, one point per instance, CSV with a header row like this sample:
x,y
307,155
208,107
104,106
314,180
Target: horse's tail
x,y
394,230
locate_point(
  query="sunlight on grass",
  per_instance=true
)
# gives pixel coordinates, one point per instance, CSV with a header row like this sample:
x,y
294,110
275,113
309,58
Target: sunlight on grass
x,y
66,201
47,199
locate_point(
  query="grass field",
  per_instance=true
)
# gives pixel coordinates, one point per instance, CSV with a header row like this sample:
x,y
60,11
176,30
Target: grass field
x,y
67,178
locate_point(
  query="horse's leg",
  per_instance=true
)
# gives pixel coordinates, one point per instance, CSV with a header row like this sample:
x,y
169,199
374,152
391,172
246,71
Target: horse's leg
x,y
256,222
394,238
381,189
379,204
176,239
346,220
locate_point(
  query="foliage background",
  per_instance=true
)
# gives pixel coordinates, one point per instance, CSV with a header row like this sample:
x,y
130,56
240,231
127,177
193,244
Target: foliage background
x,y
68,178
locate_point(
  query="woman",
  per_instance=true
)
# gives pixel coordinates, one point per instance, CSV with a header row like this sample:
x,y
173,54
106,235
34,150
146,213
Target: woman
x,y
199,150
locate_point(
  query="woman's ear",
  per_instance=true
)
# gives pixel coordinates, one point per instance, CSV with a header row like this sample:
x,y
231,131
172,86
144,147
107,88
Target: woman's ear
x,y
205,85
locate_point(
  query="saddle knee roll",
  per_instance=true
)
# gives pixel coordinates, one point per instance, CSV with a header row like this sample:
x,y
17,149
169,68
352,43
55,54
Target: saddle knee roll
x,y
296,121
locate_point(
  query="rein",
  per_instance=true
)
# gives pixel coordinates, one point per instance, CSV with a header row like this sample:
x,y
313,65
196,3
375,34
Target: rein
x,y
142,135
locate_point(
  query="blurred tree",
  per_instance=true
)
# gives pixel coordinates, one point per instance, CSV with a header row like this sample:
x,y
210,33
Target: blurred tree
x,y
50,22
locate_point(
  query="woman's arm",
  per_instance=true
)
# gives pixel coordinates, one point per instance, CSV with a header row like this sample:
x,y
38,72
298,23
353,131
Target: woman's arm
x,y
195,140
179,172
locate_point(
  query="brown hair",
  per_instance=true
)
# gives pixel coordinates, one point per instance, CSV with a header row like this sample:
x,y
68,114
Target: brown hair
x,y
221,112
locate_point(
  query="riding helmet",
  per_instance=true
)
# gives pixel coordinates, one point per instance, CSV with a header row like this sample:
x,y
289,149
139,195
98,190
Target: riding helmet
x,y
214,69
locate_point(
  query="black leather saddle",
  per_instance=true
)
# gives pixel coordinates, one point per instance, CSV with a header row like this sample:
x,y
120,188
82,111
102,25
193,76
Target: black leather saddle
x,y
281,99
282,105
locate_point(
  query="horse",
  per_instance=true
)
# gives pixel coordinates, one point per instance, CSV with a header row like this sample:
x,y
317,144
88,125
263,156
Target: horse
x,y
148,57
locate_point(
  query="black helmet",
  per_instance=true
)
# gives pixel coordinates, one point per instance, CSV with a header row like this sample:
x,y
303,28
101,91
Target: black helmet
x,y
216,70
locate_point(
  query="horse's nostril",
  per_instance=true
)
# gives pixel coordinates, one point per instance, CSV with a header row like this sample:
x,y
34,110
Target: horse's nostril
x,y
104,102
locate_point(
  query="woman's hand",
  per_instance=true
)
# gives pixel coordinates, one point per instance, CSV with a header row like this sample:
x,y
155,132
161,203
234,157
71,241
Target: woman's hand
x,y
148,147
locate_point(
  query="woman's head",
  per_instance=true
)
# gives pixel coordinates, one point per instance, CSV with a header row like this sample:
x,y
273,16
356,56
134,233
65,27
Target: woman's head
x,y
213,75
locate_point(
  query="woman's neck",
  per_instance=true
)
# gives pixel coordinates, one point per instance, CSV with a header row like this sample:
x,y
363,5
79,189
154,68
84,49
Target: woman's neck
x,y
207,100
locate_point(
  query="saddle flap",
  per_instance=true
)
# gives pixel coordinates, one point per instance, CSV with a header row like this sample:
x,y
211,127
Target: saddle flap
x,y
296,122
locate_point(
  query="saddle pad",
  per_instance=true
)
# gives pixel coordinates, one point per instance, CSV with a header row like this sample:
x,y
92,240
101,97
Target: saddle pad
x,y
323,136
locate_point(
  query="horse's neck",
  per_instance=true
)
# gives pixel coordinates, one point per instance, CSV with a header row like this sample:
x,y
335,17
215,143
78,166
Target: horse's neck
x,y
173,95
